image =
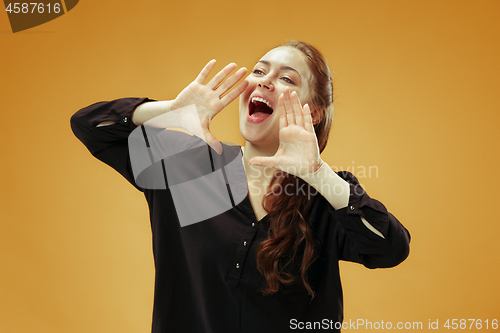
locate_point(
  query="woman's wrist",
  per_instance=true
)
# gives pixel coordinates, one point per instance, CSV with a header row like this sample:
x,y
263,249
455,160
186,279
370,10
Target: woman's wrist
x,y
150,110
330,185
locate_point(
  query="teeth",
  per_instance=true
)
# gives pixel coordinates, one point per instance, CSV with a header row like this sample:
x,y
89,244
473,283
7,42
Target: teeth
x,y
261,100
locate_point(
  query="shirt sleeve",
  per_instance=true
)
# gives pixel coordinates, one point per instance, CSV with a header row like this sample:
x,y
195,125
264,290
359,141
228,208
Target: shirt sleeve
x,y
108,143
359,244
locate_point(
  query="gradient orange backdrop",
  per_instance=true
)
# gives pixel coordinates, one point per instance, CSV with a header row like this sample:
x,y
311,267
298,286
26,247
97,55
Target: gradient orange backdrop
x,y
417,97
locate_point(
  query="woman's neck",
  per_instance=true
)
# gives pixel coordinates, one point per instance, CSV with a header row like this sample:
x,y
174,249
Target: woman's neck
x,y
262,175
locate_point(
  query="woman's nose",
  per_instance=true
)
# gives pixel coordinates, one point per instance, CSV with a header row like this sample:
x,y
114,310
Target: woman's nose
x,y
266,85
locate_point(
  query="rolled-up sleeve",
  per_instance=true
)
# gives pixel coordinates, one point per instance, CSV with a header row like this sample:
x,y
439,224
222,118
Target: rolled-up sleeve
x,y
359,244
108,143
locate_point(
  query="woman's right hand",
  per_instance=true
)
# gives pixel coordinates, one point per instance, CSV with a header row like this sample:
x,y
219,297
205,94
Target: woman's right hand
x,y
210,98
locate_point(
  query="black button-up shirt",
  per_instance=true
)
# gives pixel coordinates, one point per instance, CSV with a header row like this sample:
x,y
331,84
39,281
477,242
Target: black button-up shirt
x,y
206,274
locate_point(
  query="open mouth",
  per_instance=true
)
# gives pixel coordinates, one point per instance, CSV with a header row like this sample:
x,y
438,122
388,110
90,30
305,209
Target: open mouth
x,y
260,109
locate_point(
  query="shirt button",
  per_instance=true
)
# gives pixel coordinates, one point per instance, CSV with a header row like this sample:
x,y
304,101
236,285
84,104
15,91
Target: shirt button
x,y
125,119
253,224
352,207
244,243
238,265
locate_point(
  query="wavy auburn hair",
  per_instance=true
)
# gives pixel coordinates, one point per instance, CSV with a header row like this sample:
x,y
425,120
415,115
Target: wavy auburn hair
x,y
290,239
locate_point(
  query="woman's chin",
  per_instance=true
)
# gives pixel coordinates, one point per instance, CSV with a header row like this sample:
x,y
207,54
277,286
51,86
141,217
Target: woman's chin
x,y
260,140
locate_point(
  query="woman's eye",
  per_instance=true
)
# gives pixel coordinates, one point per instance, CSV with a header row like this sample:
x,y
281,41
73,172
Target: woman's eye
x,y
286,79
257,71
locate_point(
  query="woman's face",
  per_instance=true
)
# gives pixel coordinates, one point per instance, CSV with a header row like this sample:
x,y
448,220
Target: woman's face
x,y
280,69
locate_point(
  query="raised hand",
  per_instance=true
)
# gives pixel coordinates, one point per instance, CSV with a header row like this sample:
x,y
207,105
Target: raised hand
x,y
298,151
212,97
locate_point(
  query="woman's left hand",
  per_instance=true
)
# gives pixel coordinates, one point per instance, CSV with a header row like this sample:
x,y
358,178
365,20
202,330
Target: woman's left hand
x,y
298,151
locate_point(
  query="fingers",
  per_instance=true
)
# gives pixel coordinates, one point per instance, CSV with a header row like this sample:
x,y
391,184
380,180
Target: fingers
x,y
205,71
219,77
234,93
293,109
308,122
282,113
263,161
216,145
297,109
213,142
226,85
290,116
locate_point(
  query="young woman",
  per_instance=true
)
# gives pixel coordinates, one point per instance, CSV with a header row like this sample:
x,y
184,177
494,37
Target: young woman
x,y
269,263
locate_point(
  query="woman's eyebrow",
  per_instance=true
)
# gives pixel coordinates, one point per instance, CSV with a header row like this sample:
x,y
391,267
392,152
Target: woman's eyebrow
x,y
265,62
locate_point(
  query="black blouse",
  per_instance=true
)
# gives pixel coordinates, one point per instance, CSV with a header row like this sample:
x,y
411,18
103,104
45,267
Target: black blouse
x,y
206,274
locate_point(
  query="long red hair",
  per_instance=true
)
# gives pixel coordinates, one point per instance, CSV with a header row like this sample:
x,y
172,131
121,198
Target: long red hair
x,y
290,239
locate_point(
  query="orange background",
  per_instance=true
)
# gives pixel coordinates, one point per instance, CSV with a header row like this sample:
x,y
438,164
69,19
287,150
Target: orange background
x,y
417,89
